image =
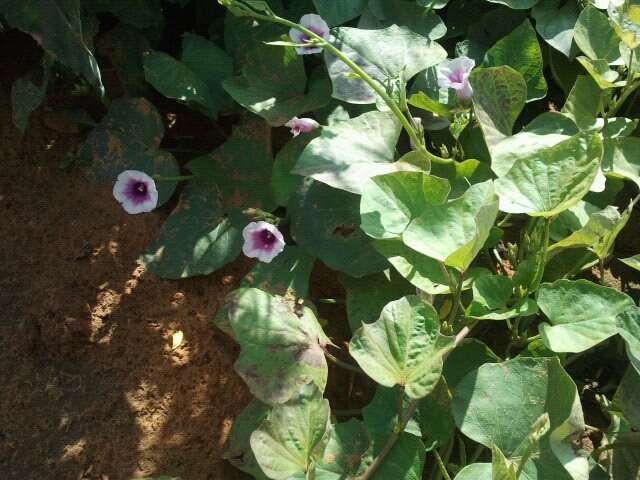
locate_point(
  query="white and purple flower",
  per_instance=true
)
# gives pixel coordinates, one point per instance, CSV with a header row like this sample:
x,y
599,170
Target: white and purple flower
x,y
455,74
262,240
317,25
301,125
136,191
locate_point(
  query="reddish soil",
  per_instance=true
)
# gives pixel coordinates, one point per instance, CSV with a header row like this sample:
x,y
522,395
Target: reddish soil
x,y
90,385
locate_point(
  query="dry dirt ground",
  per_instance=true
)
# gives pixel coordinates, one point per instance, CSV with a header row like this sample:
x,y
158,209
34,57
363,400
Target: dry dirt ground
x,y
90,387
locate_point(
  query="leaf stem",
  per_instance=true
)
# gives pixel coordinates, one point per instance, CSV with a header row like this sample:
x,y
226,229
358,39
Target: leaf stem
x,y
391,441
456,300
375,86
441,465
347,366
411,409
623,97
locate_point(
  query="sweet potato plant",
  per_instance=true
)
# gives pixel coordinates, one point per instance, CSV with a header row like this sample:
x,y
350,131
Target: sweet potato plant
x,y
465,166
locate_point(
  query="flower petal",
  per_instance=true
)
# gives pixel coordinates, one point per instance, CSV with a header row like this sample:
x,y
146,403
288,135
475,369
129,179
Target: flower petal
x,y
135,201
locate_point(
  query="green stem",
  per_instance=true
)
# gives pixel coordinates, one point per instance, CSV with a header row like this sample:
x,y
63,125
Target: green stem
x,y
375,86
601,270
623,98
391,441
341,364
441,465
456,300
411,409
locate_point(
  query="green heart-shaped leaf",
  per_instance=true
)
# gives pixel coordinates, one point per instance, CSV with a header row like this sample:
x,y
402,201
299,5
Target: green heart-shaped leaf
x,y
499,95
622,158
498,404
293,436
455,232
390,202
403,347
325,221
552,180
421,271
598,235
581,314
367,296
348,153
595,36
286,93
555,20
393,49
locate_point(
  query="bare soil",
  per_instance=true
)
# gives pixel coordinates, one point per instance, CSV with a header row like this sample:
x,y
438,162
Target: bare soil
x,y
90,386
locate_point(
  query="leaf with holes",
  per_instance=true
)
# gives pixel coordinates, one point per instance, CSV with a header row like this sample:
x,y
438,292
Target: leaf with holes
x,y
128,138
325,222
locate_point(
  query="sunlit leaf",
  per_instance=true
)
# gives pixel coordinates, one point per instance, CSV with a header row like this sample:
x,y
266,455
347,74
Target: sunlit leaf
x,y
553,180
455,232
581,314
404,347
348,153
521,51
293,435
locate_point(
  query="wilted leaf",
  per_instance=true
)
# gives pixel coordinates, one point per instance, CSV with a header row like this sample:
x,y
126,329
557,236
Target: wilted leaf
x,y
280,350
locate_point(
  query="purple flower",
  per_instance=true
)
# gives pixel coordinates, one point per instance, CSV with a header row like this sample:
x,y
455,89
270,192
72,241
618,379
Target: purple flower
x,y
301,125
455,74
262,240
317,25
136,191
